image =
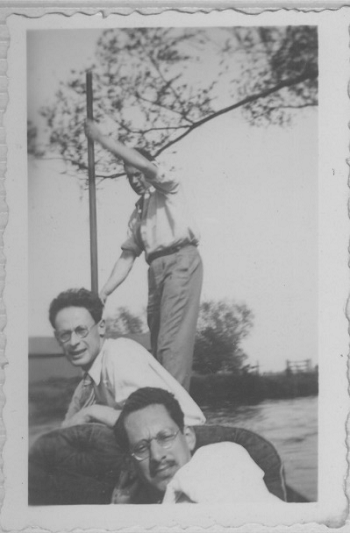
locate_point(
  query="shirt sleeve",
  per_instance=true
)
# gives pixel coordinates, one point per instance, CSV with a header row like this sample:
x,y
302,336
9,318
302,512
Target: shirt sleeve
x,y
132,367
129,369
166,179
132,242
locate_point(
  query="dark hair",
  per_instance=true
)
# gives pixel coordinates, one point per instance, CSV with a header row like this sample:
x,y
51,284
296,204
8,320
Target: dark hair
x,y
76,298
142,398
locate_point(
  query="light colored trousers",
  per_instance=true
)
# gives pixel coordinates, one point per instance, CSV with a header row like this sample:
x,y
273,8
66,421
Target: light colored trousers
x,y
174,288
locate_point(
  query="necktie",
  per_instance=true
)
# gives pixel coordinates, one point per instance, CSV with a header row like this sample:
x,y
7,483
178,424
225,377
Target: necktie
x,y
87,393
83,396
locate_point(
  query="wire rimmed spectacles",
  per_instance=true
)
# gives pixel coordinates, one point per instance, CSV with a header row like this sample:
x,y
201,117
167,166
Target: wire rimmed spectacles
x,y
164,439
81,332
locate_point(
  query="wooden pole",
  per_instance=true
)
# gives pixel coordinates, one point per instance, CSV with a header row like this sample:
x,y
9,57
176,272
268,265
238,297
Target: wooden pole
x,y
92,189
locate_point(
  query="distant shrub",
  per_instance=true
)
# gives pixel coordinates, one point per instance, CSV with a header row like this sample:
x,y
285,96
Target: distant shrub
x,y
251,388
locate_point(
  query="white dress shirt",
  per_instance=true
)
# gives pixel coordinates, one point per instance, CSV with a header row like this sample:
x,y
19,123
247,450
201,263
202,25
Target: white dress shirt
x,y
123,366
161,218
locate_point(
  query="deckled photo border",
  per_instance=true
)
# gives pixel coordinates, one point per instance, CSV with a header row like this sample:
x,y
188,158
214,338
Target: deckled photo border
x,y
331,510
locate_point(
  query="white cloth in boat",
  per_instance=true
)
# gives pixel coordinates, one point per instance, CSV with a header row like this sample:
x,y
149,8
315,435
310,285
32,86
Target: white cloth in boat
x,y
220,473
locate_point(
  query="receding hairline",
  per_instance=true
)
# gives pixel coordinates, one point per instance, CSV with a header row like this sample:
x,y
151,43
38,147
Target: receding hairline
x,y
156,404
145,397
126,417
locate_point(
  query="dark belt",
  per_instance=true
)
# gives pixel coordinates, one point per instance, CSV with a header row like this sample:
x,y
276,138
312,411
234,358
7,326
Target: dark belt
x,y
167,251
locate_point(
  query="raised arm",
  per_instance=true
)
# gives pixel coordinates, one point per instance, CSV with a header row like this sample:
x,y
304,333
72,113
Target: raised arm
x,y
120,271
128,155
94,413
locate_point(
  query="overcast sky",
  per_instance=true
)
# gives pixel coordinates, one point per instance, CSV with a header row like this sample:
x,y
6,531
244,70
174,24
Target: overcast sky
x,y
254,195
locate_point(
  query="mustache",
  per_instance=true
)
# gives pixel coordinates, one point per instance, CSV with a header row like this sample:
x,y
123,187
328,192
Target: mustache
x,y
155,466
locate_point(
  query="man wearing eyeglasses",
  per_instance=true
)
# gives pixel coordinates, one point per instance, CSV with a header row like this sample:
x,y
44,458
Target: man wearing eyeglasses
x,y
152,430
113,368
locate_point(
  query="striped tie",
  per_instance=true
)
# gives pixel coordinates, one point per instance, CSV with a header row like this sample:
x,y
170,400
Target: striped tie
x,y
87,392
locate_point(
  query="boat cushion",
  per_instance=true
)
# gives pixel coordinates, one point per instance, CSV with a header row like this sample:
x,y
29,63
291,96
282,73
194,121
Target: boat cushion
x,y
82,464
74,465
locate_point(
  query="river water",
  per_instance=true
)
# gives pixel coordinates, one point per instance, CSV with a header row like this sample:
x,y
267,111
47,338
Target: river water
x,y
290,425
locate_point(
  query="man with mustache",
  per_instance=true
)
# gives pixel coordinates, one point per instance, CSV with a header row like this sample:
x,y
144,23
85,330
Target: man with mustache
x,y
151,430
113,368
161,227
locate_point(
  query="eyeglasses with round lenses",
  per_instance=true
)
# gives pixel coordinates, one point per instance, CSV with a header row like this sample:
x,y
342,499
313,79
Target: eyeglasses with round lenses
x,y
165,439
81,332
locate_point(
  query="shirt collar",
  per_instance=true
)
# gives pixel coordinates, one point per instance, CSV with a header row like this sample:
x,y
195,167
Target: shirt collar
x,y
145,196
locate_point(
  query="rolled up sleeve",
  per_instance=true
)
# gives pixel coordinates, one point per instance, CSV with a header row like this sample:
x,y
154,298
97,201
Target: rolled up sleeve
x,y
166,179
132,243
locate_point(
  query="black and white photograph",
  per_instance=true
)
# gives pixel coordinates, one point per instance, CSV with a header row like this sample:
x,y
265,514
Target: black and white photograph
x,y
179,303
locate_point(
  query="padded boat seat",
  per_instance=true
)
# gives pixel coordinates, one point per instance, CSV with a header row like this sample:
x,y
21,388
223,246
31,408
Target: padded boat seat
x,y
82,464
74,465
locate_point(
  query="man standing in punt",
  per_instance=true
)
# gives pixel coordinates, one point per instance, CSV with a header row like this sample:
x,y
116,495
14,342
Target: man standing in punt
x,y
161,227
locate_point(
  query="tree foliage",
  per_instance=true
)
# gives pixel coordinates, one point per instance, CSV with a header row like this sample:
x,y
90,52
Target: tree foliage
x,y
123,322
154,86
222,325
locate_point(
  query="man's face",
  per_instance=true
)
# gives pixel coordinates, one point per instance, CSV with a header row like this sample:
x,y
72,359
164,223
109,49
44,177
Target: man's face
x,y
79,351
137,180
162,464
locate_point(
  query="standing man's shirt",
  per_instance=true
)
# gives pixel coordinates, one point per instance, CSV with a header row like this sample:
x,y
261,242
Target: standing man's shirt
x,y
122,367
161,219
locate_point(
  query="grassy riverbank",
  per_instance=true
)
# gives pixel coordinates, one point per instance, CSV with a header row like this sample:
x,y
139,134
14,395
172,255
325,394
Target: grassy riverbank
x,y
252,388
49,399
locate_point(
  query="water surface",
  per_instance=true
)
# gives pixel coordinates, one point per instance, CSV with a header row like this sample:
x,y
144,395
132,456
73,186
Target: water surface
x,y
290,425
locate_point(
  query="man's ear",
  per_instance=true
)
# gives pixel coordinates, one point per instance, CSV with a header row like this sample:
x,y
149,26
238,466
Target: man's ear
x,y
190,437
102,327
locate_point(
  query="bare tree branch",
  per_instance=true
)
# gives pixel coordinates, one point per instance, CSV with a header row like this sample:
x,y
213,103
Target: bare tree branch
x,y
247,100
163,106
275,66
168,83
